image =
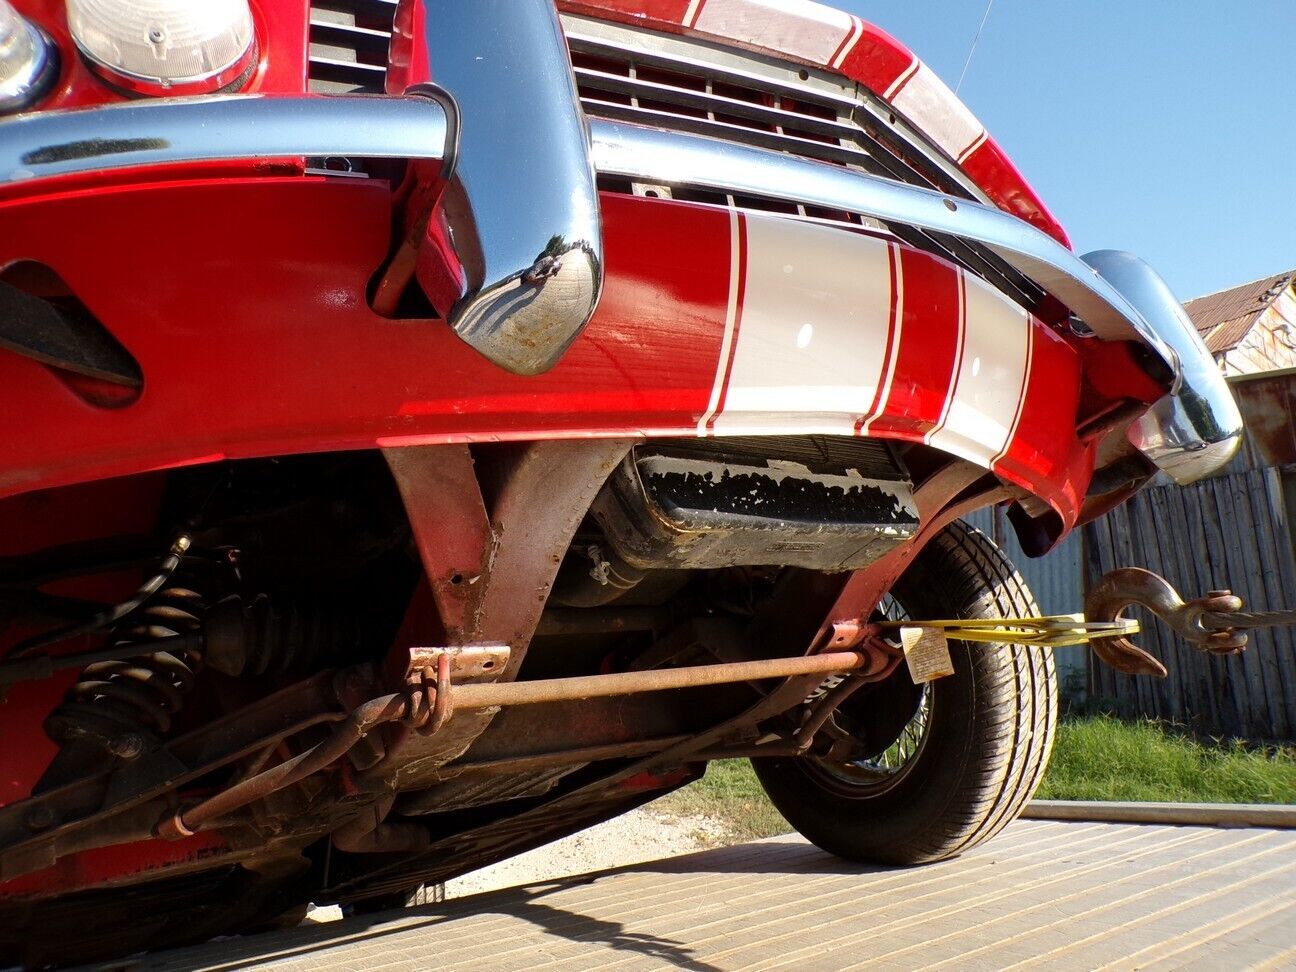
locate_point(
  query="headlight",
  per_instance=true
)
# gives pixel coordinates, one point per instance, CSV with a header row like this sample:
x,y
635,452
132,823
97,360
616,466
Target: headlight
x,y
27,61
165,47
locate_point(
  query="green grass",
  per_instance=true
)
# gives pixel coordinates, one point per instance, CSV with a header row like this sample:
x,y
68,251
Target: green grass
x,y
730,795
1094,758
1101,758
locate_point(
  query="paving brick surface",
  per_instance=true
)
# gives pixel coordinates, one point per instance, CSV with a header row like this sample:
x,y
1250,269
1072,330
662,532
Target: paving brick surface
x,y
1044,894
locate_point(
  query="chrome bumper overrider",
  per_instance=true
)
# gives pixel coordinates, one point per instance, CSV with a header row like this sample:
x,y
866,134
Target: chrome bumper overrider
x,y
501,235
520,218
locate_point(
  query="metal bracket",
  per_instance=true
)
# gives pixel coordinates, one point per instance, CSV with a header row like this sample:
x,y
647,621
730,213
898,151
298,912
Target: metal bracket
x,y
467,662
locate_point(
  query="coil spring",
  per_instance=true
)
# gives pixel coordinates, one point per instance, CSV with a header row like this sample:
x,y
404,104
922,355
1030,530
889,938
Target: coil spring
x,y
118,705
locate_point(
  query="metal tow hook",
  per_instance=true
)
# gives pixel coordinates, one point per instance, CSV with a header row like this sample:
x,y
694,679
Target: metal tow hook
x,y
1213,623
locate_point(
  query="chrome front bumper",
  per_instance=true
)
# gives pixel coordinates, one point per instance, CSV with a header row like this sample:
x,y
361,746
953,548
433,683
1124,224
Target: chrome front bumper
x,y
1190,433
517,204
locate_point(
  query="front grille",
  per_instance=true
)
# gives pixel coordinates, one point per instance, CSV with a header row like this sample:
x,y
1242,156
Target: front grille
x,y
691,86
348,45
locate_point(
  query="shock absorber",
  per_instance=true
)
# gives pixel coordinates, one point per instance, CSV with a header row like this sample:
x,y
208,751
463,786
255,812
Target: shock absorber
x,y
121,707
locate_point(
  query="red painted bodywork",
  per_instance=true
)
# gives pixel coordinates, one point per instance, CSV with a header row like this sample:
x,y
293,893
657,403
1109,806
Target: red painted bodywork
x,y
259,340
241,291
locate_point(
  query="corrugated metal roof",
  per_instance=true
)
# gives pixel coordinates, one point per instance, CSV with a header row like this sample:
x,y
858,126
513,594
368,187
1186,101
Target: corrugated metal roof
x,y
1223,319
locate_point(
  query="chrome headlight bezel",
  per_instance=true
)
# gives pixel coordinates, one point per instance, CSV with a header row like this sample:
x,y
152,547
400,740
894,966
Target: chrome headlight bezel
x,y
28,61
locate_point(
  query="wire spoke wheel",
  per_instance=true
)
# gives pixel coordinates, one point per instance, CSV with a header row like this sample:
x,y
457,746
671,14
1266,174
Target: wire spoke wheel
x,y
905,773
858,762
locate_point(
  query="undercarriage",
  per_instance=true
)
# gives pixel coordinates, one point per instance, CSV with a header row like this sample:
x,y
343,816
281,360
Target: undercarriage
x,y
334,678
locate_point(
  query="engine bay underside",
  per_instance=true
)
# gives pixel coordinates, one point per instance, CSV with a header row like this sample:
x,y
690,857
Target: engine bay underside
x,y
337,677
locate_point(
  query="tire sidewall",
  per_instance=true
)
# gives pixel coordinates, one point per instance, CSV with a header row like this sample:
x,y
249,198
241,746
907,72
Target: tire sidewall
x,y
963,750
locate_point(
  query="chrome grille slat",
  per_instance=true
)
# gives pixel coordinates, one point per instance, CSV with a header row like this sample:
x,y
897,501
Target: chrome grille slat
x,y
364,77
595,47
588,79
725,130
348,45
362,40
381,10
866,134
860,127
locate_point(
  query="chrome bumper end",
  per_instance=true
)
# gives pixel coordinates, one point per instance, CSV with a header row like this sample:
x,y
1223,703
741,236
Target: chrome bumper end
x,y
1195,429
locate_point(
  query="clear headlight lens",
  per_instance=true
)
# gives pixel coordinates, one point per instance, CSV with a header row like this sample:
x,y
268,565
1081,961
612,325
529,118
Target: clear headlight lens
x,y
27,61
165,46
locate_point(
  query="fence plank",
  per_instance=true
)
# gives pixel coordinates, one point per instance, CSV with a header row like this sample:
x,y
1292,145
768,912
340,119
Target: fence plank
x,y
1248,574
1265,642
1233,678
1236,566
1181,663
1144,527
1129,552
1272,509
1209,672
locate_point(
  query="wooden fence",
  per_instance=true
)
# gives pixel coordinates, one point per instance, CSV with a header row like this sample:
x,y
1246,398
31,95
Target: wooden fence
x,y
1230,531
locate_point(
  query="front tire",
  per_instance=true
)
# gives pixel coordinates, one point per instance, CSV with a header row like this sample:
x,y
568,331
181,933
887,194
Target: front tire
x,y
986,739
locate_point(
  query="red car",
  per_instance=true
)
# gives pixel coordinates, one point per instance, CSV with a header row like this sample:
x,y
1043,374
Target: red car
x,y
430,428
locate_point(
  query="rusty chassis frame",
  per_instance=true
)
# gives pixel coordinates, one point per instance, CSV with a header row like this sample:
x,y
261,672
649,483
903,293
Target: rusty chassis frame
x,y
491,538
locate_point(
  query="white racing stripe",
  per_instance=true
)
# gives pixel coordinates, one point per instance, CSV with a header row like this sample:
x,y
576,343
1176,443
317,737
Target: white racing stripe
x,y
808,337
901,79
929,103
1021,396
983,406
857,31
797,27
897,332
813,332
963,156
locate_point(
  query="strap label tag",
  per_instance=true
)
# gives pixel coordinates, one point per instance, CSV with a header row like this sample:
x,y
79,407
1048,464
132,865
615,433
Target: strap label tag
x,y
926,652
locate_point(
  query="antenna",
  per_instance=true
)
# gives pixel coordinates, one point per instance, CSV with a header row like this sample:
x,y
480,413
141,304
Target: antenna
x,y
972,50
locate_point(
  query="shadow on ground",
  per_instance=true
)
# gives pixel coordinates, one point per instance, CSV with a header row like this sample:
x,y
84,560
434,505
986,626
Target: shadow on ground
x,y
527,903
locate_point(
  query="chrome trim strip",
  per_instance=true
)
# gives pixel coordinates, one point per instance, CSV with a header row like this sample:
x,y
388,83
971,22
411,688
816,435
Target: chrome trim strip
x,y
1195,430
162,132
521,214
652,155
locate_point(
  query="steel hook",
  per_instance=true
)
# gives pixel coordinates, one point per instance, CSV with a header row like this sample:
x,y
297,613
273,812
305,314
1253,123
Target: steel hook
x,y
1119,589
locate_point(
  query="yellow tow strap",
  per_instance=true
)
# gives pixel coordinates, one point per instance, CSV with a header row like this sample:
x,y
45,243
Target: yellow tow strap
x,y
1052,631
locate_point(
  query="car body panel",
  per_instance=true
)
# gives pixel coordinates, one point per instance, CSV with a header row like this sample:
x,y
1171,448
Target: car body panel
x,y
270,320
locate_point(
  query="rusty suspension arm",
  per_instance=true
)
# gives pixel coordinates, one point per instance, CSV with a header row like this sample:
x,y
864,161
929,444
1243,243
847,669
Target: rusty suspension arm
x,y
427,708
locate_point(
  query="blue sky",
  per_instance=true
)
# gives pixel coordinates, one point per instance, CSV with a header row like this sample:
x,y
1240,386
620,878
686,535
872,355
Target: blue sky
x,y
1166,127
